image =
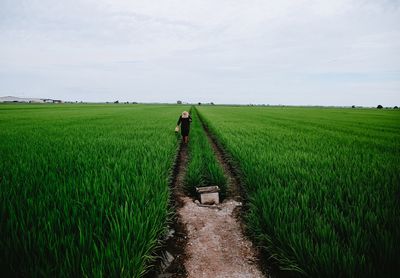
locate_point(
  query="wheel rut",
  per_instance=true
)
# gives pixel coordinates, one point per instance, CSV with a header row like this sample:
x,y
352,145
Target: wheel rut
x,y
211,238
171,258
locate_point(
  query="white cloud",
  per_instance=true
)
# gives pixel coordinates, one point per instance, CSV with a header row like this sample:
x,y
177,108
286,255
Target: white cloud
x,y
294,52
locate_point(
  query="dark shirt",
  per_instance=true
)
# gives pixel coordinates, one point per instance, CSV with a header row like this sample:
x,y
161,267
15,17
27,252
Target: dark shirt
x,y
185,125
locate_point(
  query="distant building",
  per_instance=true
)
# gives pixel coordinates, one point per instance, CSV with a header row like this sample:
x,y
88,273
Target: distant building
x,y
11,99
36,101
49,100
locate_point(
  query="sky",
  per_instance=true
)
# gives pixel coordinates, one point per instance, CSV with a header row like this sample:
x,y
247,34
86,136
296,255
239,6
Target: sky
x,y
303,52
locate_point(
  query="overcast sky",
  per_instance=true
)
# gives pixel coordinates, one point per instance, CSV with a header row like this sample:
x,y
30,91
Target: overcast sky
x,y
336,52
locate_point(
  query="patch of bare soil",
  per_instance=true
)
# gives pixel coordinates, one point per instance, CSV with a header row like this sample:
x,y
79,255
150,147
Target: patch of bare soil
x,y
216,246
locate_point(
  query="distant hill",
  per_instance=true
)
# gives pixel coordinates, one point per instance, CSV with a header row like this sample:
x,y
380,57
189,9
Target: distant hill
x,y
29,100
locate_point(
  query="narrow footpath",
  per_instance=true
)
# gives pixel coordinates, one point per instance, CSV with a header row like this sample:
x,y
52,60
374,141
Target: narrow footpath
x,y
211,239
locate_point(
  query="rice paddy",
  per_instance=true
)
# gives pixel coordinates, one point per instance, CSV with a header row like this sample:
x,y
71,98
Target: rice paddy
x,y
84,188
323,185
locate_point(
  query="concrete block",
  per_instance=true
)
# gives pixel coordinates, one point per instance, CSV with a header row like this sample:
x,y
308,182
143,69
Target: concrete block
x,y
209,198
209,195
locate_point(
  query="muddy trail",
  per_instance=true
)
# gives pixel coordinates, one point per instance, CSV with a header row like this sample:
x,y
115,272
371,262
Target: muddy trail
x,y
207,240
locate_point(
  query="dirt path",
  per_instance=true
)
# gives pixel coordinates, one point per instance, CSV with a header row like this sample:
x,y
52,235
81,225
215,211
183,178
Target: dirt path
x,y
229,253
210,238
216,247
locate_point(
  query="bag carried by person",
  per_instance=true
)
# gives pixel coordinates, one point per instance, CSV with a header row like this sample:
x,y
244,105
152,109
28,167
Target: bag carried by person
x,y
177,128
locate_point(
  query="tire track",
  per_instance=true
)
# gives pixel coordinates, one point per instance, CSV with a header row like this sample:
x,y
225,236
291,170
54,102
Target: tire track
x,y
207,241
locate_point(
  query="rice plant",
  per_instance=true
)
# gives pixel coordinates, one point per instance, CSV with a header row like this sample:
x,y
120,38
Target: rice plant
x,y
83,188
322,185
203,168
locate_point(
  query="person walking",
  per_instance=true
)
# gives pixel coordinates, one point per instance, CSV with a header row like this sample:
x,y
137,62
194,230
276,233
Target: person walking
x,y
184,120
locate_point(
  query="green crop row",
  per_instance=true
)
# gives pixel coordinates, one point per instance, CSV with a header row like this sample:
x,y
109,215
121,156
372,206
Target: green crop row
x,y
83,188
203,168
322,185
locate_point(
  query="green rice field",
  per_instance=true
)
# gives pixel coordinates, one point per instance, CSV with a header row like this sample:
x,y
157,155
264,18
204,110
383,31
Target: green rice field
x,y
323,185
83,188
